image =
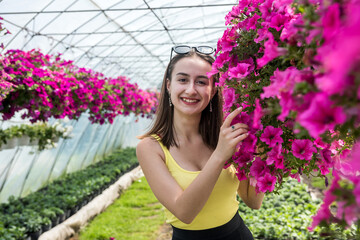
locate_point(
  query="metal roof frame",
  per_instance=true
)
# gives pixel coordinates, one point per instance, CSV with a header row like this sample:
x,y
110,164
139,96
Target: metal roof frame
x,y
116,36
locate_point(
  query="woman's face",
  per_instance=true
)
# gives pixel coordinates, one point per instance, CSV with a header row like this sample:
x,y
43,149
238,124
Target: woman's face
x,y
190,88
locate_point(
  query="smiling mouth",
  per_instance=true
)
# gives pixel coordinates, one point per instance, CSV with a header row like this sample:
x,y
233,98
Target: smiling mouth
x,y
190,100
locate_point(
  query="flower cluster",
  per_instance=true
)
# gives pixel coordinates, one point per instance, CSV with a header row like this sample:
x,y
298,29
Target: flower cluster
x,y
3,31
41,134
5,86
294,66
48,86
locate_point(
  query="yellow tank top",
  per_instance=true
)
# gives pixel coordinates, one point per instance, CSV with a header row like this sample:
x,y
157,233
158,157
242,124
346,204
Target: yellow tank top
x,y
221,205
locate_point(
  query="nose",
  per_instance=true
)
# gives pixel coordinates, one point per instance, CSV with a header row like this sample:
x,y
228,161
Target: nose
x,y
191,88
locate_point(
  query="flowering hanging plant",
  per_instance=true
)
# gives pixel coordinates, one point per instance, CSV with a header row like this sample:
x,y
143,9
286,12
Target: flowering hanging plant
x,y
5,86
48,86
294,66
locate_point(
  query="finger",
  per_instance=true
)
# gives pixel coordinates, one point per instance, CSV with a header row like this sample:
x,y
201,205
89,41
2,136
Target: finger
x,y
236,127
238,132
240,125
241,137
231,116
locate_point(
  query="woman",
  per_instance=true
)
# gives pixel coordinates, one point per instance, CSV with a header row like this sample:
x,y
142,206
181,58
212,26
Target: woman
x,y
184,154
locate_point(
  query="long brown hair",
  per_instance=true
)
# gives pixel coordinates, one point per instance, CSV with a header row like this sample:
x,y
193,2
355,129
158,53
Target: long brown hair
x,y
210,122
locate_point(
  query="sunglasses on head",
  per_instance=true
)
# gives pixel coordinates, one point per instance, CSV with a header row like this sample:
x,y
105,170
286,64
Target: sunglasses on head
x,y
184,49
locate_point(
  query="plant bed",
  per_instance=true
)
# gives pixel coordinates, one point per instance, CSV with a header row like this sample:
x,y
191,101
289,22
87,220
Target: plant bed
x,y
286,215
53,203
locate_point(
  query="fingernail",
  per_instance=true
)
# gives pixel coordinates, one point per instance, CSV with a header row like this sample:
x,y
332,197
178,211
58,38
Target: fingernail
x,y
240,108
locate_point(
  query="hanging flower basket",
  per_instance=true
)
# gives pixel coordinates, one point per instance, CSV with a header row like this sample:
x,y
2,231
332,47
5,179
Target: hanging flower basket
x,y
11,143
23,141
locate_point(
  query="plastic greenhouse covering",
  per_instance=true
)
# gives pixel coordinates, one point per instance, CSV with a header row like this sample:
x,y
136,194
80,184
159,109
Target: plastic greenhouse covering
x,y
131,38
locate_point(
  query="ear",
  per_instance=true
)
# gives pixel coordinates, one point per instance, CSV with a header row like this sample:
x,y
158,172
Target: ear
x,y
168,85
214,91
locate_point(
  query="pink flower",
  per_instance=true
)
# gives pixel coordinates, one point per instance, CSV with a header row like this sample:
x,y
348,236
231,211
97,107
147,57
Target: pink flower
x,y
234,13
346,212
229,98
241,174
271,51
227,42
251,22
331,21
290,30
323,214
321,116
239,71
287,103
219,63
249,143
339,53
303,149
258,168
242,157
258,113
271,136
278,21
281,82
326,156
266,8
275,156
266,183
356,192
243,117
355,157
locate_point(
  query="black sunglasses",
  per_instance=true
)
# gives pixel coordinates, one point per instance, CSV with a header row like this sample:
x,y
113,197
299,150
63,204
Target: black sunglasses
x,y
184,49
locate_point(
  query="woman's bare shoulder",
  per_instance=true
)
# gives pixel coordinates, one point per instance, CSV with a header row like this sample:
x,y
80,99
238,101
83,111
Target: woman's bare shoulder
x,y
149,146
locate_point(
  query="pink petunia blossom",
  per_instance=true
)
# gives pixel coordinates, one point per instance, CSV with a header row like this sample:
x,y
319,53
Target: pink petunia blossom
x,y
219,63
291,29
258,168
278,21
258,113
346,212
242,157
271,51
266,8
356,192
323,214
339,53
275,157
234,13
241,70
249,143
321,115
243,117
355,157
266,183
228,40
229,98
251,22
241,174
320,144
281,82
287,103
303,149
331,21
271,136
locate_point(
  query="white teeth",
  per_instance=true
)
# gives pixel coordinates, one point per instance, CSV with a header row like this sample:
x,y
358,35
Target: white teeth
x,y
189,100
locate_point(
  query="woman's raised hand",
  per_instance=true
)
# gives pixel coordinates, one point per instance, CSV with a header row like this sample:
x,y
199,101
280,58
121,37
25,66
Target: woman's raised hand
x,y
230,136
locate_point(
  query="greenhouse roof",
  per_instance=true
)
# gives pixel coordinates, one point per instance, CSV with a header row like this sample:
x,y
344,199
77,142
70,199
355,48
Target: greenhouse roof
x,y
132,38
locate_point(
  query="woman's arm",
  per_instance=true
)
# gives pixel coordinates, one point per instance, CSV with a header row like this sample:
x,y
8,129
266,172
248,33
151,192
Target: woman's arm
x,y
249,195
186,204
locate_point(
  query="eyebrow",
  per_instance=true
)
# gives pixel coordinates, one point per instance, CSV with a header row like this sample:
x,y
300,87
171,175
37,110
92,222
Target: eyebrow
x,y
187,75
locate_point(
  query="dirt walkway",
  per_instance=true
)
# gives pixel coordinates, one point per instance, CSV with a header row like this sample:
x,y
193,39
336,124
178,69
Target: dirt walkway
x,y
164,232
